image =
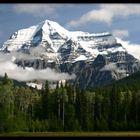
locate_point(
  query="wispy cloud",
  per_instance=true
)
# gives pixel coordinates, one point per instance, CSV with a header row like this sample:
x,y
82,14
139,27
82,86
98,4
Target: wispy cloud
x,y
35,53
120,33
112,67
36,9
106,13
132,48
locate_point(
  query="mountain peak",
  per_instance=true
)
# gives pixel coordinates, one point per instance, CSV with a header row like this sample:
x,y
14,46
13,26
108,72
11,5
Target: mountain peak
x,y
59,41
46,21
52,25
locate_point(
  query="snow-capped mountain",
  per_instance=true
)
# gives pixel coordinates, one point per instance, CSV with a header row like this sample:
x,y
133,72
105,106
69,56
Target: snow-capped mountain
x,y
85,54
60,44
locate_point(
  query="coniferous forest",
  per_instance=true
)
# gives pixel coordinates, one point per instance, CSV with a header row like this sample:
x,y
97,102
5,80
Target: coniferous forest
x,y
115,107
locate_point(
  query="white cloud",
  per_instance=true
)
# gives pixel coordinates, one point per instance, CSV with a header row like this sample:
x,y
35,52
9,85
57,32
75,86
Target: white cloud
x,y
36,9
120,33
106,13
27,74
34,53
112,67
132,48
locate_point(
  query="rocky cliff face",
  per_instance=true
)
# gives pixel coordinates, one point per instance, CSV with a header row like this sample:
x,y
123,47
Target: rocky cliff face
x,y
96,59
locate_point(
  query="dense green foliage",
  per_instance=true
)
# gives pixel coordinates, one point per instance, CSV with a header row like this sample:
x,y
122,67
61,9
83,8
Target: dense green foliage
x,y
112,108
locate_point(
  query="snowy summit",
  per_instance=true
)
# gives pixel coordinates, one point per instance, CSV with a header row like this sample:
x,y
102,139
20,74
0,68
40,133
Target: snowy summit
x,y
57,42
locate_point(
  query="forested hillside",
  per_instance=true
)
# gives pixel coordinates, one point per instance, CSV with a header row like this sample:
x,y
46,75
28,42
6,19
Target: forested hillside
x,y
112,108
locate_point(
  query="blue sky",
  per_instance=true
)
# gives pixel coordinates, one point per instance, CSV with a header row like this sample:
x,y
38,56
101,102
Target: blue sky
x,y
123,20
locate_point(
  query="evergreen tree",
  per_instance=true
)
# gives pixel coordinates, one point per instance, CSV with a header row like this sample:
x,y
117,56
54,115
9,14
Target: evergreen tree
x,y
134,108
45,101
115,102
6,103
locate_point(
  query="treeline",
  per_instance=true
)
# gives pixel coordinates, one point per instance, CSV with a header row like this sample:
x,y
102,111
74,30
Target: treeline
x,y
67,108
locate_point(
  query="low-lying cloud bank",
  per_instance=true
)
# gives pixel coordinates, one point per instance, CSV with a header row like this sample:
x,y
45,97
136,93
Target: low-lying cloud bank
x,y
28,74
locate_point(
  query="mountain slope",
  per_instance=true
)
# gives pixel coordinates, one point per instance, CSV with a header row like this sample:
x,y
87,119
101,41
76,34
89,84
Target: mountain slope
x,y
96,59
131,81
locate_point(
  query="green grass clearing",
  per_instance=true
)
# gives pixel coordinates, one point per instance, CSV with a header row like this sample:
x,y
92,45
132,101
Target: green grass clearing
x,y
72,134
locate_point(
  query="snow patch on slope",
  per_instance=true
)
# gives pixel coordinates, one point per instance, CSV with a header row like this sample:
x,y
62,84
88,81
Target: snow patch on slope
x,y
81,57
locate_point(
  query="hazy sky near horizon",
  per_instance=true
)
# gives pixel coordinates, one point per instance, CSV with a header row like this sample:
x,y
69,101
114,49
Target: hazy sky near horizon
x,y
123,20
